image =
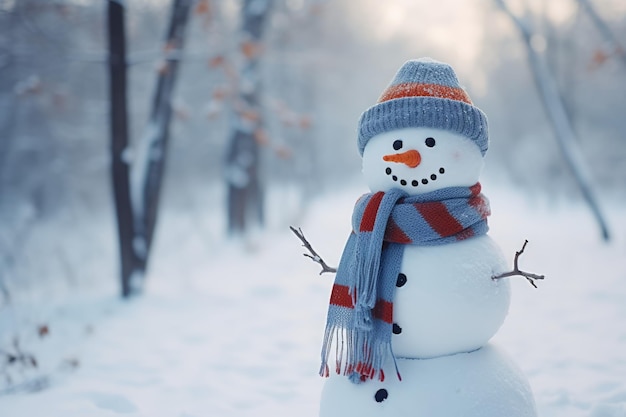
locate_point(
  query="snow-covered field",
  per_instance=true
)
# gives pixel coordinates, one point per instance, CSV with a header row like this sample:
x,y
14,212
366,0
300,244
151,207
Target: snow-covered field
x,y
235,329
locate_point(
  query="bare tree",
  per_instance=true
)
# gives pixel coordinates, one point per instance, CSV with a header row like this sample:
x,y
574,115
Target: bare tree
x,y
245,199
561,124
149,156
137,177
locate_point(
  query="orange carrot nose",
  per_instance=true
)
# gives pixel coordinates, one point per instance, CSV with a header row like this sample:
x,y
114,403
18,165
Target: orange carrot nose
x,y
410,158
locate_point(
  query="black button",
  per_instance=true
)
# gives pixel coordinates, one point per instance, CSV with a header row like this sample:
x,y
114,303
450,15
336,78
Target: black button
x,y
381,395
401,280
396,329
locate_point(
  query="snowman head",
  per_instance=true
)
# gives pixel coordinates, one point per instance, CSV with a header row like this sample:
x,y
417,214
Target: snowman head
x,y
418,160
423,123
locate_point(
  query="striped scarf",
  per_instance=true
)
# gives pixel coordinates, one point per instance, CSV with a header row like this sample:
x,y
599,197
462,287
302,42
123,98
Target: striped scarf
x,y
360,315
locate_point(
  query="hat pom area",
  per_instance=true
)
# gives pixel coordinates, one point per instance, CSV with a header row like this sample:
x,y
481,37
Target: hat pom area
x,y
425,93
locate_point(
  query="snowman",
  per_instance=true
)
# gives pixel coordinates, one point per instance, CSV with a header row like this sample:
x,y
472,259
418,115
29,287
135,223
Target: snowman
x,y
413,304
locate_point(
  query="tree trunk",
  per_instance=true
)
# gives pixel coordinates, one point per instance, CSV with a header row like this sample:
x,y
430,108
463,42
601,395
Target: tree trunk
x,y
149,157
119,141
137,189
245,200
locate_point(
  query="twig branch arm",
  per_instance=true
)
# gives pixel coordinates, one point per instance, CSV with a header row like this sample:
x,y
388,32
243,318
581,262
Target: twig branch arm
x,y
530,277
312,254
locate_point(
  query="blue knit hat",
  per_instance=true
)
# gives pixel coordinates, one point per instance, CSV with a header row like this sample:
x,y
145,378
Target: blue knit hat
x,y
425,93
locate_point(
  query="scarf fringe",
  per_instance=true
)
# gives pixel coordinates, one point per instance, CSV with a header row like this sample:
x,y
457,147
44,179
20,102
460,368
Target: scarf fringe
x,y
360,366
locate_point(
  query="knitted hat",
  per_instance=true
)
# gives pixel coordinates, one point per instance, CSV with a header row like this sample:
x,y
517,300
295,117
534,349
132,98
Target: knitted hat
x,y
425,93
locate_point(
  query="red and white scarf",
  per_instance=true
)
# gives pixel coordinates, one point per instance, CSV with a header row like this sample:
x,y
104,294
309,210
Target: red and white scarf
x,y
360,315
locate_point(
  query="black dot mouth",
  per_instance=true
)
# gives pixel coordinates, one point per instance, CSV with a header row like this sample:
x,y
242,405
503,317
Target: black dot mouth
x,y
415,183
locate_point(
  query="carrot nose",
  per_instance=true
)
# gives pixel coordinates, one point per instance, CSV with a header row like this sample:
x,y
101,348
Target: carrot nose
x,y
410,158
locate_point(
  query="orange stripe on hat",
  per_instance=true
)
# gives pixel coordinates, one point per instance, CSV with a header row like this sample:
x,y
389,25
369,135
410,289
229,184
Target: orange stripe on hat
x,y
424,90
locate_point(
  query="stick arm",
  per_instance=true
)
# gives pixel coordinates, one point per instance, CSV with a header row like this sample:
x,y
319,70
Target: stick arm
x,y
313,255
530,277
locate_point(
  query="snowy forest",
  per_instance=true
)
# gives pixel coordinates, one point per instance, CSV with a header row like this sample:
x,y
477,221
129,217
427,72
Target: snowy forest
x,y
153,154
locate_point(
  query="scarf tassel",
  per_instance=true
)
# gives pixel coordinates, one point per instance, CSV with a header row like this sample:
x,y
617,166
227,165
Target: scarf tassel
x,y
367,364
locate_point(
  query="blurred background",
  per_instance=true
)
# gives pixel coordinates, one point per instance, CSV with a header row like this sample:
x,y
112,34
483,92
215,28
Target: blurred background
x,y
320,64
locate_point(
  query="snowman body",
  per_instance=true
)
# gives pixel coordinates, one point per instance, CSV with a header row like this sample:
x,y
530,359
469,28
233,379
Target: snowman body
x,y
446,301
483,383
423,136
446,305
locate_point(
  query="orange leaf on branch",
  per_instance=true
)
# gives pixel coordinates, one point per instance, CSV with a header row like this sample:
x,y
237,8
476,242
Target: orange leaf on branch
x,y
261,137
249,115
219,93
217,61
203,7
43,330
305,122
169,46
283,152
251,49
598,59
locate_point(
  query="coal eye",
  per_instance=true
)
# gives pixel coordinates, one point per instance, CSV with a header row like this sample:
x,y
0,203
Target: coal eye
x,y
397,144
430,142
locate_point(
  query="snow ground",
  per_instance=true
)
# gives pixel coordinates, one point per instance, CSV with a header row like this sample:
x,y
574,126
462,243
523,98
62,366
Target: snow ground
x,y
227,331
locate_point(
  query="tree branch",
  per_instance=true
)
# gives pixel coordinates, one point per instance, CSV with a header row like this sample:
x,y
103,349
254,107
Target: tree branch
x,y
605,30
34,385
561,123
313,255
530,277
